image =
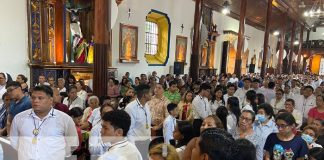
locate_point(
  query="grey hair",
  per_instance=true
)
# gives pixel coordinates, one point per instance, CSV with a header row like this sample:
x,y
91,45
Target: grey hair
x,y
61,79
93,97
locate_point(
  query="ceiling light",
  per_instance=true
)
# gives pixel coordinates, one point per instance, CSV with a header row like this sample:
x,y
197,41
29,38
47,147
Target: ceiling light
x,y
302,4
276,33
225,9
296,43
306,14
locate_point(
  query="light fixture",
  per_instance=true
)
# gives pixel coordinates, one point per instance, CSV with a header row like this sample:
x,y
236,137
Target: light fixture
x,y
302,4
315,11
276,33
296,43
323,34
226,9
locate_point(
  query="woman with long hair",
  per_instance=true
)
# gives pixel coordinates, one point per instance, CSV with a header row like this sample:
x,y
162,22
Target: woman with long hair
x,y
217,99
222,114
233,106
185,107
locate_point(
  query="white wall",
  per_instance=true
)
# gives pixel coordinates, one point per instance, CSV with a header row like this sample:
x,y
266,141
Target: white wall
x,y
14,37
179,11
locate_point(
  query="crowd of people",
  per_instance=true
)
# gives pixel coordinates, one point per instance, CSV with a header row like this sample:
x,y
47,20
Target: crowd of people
x,y
166,117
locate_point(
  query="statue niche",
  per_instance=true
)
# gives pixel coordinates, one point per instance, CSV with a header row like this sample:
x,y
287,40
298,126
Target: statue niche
x,y
61,31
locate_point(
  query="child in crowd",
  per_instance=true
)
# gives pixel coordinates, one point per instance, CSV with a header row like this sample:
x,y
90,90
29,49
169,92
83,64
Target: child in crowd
x,y
170,122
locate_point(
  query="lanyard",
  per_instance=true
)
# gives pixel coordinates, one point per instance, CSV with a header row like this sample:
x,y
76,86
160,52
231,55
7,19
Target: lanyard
x,y
139,104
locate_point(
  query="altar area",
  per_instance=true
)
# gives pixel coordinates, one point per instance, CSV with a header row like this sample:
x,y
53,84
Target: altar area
x,y
61,39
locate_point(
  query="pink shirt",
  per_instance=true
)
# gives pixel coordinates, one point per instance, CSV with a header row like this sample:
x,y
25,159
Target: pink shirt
x,y
113,91
314,113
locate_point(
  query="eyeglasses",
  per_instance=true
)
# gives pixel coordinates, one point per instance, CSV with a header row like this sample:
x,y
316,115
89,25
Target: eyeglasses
x,y
283,126
245,119
11,89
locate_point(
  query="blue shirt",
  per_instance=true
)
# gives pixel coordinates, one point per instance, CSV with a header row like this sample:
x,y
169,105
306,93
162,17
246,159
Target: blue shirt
x,y
265,130
20,106
289,150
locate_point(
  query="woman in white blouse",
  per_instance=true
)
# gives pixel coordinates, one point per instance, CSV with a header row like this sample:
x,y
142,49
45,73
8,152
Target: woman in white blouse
x,y
233,106
217,99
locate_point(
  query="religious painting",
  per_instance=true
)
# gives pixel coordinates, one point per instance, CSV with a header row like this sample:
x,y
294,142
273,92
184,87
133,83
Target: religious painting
x,y
181,49
128,37
260,59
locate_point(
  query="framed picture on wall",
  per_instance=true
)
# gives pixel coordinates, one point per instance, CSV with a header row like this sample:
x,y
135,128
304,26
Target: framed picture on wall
x,y
181,49
128,41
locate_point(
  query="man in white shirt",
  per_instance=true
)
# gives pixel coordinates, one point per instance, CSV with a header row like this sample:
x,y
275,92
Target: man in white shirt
x,y
96,145
43,132
233,79
42,81
115,125
278,103
73,100
294,88
240,93
269,93
290,107
230,93
201,107
140,129
306,101
61,85
287,93
256,85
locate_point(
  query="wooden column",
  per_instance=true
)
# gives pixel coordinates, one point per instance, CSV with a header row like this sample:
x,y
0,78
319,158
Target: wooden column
x,y
282,45
307,51
292,39
194,59
240,40
266,39
300,47
102,46
59,31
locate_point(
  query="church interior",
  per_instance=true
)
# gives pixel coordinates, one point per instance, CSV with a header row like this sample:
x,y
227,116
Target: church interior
x,y
59,37
124,69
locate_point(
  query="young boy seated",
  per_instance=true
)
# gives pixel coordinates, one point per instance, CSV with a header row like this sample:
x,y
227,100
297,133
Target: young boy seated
x,y
170,122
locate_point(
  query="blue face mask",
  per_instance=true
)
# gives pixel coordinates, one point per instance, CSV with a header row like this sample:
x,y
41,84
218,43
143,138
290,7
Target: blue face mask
x,y
307,138
261,118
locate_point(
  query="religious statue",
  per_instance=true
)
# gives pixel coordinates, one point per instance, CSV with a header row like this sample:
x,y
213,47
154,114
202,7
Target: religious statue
x,y
90,51
253,59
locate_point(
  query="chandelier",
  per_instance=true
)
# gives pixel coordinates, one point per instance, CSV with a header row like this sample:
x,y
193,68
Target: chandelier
x,y
316,10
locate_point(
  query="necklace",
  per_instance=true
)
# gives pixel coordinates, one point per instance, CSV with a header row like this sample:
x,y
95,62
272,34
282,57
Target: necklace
x,y
139,104
36,130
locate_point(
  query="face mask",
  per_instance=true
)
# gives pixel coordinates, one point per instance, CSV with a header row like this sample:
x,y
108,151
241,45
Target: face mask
x,y
307,138
261,118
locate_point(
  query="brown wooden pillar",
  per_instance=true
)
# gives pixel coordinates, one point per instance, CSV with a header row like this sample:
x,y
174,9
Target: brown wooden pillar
x,y
307,51
102,46
240,39
292,39
282,45
266,39
300,47
194,59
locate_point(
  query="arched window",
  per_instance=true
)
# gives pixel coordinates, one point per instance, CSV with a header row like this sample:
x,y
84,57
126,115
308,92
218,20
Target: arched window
x,y
151,37
157,38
